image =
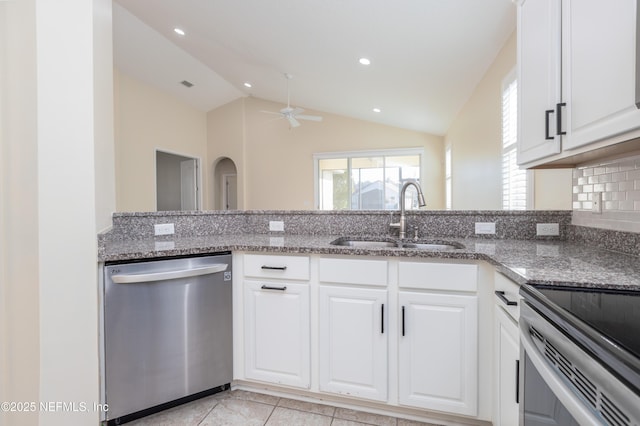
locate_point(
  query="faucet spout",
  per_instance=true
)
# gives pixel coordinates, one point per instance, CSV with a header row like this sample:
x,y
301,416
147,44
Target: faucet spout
x,y
403,220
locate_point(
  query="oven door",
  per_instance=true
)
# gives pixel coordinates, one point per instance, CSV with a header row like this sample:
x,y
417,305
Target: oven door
x,y
563,385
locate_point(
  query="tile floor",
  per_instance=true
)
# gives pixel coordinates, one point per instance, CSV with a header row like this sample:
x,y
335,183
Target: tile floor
x,y
247,408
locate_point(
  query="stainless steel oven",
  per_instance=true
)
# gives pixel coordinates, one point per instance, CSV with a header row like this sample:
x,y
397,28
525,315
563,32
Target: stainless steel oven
x,y
580,362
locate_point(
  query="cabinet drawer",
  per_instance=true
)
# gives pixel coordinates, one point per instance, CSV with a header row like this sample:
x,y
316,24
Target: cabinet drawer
x,y
511,293
438,276
349,271
277,267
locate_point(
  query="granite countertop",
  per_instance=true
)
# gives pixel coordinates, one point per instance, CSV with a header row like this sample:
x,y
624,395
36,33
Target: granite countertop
x,y
524,261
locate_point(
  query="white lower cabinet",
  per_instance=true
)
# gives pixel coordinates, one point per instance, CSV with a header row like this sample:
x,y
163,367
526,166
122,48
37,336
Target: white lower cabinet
x,y
507,356
506,352
438,352
353,341
277,332
398,332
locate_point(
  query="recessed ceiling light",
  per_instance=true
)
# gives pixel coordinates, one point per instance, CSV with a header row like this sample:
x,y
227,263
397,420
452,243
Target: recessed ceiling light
x,y
248,85
377,110
178,31
364,61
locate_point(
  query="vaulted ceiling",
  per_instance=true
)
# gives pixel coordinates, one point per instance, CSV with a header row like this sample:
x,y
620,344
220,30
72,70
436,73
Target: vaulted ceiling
x,y
427,56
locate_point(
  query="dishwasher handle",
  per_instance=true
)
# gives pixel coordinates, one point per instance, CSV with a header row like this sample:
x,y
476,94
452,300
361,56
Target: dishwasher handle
x,y
168,275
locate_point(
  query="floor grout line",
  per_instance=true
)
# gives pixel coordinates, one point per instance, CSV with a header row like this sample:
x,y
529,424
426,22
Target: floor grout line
x,y
246,396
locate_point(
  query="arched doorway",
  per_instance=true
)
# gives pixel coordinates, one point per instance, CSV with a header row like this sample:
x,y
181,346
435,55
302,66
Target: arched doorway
x,y
225,184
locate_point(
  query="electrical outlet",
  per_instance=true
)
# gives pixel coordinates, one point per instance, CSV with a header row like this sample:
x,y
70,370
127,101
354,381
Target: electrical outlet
x,y
547,229
164,229
596,207
485,227
276,225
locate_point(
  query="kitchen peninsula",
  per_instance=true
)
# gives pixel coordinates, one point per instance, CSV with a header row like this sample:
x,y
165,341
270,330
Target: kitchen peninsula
x,y
319,320
578,256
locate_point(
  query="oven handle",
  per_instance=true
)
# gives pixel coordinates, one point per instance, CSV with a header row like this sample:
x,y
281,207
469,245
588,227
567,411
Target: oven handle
x,y
567,397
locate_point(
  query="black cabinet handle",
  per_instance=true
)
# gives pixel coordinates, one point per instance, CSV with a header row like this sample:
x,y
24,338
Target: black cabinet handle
x,y
403,321
268,287
502,297
274,268
547,114
517,381
559,118
382,319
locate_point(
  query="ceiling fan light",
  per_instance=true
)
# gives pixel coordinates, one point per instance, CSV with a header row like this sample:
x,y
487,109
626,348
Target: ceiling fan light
x,y
364,61
248,85
178,31
377,110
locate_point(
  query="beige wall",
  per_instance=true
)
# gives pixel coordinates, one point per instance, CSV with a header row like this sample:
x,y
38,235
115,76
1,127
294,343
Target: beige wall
x,y
475,138
225,139
274,163
57,89
147,119
553,189
277,162
19,313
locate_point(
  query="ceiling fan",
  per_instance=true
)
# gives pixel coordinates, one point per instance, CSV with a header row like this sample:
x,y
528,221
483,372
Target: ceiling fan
x,y
293,114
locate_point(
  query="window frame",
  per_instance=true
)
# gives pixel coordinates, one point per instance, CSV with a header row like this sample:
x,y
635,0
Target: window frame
x,y
349,155
512,149
448,177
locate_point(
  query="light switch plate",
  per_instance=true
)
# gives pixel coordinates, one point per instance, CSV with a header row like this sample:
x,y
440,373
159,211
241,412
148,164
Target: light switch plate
x,y
164,229
485,227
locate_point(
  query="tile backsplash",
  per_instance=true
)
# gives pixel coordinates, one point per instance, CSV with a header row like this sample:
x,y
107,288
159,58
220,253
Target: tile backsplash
x,y
617,181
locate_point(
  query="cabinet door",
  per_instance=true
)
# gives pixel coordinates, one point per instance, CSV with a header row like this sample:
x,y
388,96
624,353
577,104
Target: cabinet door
x,y
438,352
599,69
353,342
277,333
539,79
506,359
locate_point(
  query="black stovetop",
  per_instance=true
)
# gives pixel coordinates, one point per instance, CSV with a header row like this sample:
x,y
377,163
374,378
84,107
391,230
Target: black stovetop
x,y
605,323
615,315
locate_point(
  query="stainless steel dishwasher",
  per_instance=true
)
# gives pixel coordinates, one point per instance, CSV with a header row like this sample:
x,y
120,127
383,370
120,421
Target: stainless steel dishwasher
x,y
167,333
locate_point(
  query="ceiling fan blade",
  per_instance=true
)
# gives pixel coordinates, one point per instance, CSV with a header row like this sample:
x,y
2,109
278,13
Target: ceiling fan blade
x,y
293,122
297,110
271,112
309,117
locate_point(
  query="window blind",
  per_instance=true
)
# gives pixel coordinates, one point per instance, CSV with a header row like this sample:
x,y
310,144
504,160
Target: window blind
x,y
514,180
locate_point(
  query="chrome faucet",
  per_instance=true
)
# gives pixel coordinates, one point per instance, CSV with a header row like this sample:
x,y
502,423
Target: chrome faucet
x,y
402,225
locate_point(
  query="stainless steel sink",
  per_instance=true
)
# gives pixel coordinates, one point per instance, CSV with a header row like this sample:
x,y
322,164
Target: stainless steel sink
x,y
364,243
433,245
372,243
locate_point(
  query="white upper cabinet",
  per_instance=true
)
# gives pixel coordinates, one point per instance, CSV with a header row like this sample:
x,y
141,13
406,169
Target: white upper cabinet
x,y
599,69
577,77
539,90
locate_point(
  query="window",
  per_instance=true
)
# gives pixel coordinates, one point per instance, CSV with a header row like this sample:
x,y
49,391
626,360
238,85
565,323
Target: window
x,y
514,180
366,180
447,178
